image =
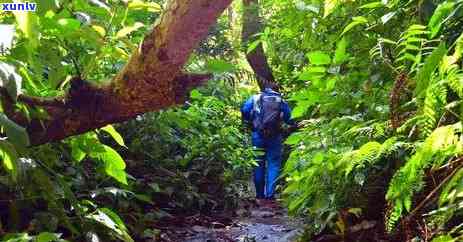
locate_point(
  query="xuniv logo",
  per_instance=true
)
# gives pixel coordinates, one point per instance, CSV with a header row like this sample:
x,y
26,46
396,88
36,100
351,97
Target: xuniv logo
x,y
27,6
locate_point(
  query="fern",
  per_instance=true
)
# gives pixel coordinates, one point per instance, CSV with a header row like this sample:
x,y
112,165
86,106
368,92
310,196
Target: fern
x,y
372,129
392,146
441,144
455,82
425,73
408,125
451,198
453,190
434,103
370,153
377,52
410,45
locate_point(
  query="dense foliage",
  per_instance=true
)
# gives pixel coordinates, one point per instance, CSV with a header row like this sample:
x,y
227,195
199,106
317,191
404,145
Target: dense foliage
x,y
113,184
377,87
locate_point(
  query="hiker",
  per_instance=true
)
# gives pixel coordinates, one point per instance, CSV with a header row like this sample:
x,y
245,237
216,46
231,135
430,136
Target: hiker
x,y
265,112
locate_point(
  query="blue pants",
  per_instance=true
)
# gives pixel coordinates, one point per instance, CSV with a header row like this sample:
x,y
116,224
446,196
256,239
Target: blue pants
x,y
266,174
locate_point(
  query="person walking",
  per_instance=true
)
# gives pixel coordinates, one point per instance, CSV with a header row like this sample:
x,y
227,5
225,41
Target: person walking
x,y
266,111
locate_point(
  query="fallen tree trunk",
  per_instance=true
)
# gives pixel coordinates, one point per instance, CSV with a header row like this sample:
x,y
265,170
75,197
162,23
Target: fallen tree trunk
x,y
150,81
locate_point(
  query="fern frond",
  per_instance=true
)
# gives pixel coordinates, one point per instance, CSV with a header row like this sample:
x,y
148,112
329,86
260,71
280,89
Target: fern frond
x,y
409,46
367,154
392,146
442,143
409,124
455,83
370,153
434,103
453,189
373,129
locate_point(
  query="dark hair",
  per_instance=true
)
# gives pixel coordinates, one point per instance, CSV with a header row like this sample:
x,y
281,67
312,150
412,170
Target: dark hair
x,y
271,85
266,83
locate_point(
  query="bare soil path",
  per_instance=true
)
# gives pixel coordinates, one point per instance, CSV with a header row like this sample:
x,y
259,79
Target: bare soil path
x,y
253,223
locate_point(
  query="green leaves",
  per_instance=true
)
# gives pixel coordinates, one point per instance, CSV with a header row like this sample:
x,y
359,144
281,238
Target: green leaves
x,y
430,65
345,84
372,5
143,5
16,134
319,58
77,154
340,55
253,45
444,238
304,99
47,237
330,6
88,144
219,66
114,165
410,46
301,108
9,157
42,237
295,138
441,14
443,143
316,70
195,94
385,18
453,190
112,221
129,29
360,20
114,134
101,31
69,24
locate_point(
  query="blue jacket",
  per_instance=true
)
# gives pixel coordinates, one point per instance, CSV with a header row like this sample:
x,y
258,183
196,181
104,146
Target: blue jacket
x,y
246,111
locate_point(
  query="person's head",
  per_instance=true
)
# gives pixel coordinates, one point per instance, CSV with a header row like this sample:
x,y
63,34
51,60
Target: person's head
x,y
271,85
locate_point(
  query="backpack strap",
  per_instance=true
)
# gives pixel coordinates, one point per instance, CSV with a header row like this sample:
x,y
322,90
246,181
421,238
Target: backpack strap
x,y
256,101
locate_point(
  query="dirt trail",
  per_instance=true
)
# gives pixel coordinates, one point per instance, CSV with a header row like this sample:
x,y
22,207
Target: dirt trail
x,y
259,224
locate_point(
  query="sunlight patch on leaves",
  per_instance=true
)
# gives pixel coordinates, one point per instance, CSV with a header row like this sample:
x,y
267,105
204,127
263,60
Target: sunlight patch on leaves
x,y
9,157
144,5
441,14
112,221
114,134
330,6
129,29
318,58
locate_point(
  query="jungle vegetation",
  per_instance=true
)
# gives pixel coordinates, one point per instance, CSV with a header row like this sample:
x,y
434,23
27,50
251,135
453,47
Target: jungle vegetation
x,y
118,114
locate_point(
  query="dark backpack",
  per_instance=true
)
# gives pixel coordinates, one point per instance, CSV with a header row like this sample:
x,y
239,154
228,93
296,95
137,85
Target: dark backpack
x,y
267,114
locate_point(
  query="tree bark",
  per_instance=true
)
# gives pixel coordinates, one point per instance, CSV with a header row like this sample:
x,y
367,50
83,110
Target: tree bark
x,y
150,81
252,25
